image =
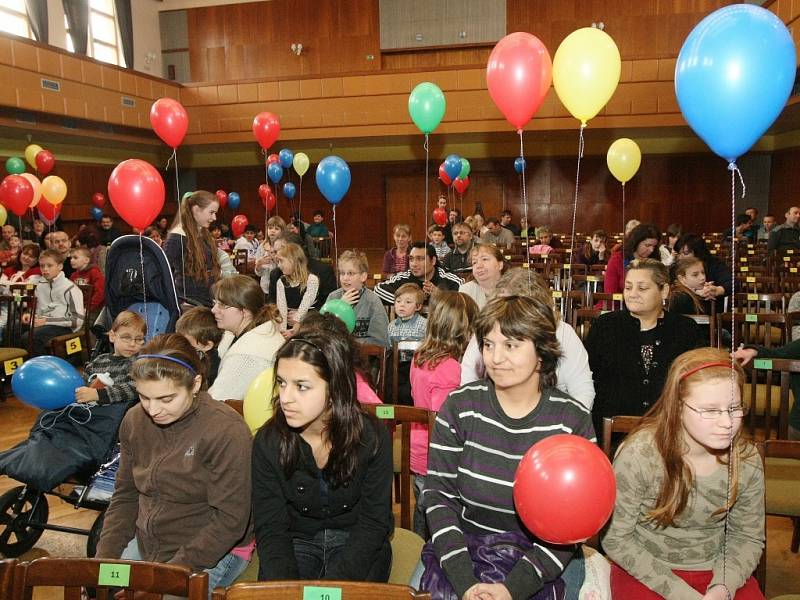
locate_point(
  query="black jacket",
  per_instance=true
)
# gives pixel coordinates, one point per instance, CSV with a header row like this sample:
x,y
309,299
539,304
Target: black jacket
x,y
285,509
327,282
614,345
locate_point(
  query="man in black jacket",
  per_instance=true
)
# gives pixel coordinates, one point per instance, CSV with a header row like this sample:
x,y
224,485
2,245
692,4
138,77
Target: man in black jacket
x,y
423,270
786,236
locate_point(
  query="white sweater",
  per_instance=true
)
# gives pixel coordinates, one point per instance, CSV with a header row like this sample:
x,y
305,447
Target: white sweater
x,y
573,372
242,362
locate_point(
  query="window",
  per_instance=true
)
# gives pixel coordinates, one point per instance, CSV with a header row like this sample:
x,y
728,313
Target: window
x,y
14,18
103,41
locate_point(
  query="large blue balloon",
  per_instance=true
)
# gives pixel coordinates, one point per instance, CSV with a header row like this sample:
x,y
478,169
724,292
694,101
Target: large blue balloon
x,y
275,172
97,213
285,157
233,200
333,178
289,190
452,165
46,382
519,164
733,76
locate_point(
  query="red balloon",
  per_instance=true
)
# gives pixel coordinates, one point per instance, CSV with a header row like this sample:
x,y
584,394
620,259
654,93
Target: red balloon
x,y
136,191
169,120
45,161
222,198
461,185
273,158
49,211
16,194
266,128
268,199
518,76
98,200
440,216
564,489
238,224
444,176
262,190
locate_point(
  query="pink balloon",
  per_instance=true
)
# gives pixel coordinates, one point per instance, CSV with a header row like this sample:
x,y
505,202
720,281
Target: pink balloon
x,y
169,120
518,76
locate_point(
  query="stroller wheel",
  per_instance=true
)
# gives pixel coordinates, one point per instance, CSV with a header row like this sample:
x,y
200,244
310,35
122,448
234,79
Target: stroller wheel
x,y
94,535
18,508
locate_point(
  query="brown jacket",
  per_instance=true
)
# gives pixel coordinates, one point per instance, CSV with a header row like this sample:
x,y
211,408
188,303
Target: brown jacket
x,y
182,490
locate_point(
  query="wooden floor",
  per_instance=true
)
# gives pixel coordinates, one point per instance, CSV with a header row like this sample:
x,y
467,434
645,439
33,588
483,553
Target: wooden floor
x,y
783,567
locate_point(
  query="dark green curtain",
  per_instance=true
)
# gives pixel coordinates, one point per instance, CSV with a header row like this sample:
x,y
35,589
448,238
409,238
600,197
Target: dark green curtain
x,y
37,17
77,13
125,21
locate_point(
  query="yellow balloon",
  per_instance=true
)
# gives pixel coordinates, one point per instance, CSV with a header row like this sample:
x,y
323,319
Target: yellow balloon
x,y
54,189
586,70
258,400
300,163
30,154
3,215
624,158
37,187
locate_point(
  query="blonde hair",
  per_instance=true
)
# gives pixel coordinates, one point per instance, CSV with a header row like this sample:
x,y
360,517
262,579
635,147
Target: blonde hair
x,y
128,318
449,329
82,250
358,258
402,228
295,254
411,288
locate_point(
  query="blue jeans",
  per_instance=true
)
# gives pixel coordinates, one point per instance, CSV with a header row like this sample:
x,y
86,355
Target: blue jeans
x,y
222,575
321,554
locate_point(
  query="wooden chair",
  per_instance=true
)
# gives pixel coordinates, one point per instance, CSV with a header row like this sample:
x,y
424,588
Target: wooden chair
x,y
582,320
400,347
402,417
72,574
781,473
567,302
755,284
767,411
374,357
240,261
323,246
318,590
610,301
7,576
760,303
768,329
17,338
617,424
64,346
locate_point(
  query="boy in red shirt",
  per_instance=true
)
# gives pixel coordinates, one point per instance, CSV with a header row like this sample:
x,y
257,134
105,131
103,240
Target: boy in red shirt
x,y
86,273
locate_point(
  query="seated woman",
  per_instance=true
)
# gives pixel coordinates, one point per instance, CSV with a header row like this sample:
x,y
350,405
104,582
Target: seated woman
x,y
183,489
251,339
322,469
26,267
478,547
631,350
488,263
594,251
677,492
642,242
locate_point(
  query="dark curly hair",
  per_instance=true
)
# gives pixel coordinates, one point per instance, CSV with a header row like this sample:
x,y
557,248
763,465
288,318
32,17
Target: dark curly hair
x,y
640,233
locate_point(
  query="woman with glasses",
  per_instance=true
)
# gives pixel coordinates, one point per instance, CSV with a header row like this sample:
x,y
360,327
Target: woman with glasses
x,y
251,339
689,516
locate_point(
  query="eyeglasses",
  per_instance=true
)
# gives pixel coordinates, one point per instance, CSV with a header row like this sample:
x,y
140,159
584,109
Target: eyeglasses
x,y
128,339
220,305
712,414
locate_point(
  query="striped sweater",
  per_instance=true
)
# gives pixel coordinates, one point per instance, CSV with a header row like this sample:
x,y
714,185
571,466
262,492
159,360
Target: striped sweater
x,y
473,456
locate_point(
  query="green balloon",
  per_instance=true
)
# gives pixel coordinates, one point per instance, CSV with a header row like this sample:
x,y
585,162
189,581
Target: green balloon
x,y
341,309
15,165
465,168
426,106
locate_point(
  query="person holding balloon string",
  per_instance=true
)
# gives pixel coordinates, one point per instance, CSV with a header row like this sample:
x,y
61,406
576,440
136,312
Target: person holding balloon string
x,y
190,249
689,517
479,548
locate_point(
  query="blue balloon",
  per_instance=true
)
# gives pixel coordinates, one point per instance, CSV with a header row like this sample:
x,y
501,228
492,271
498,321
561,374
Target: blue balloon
x,y
285,157
519,164
733,76
452,166
46,382
233,200
333,178
289,190
275,172
97,213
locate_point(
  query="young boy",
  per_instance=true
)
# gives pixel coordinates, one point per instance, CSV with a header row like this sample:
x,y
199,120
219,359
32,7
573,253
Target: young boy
x,y
85,273
371,320
199,326
59,303
108,375
247,242
436,237
409,325
318,228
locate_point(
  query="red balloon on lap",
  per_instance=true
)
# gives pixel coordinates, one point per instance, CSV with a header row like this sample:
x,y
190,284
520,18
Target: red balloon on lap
x,y
564,489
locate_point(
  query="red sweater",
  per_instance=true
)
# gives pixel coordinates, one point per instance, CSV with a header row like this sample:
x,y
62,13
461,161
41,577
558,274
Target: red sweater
x,y
92,276
614,281
11,271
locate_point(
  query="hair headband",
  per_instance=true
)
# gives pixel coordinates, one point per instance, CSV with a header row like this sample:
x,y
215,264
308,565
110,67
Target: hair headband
x,y
169,358
705,366
305,341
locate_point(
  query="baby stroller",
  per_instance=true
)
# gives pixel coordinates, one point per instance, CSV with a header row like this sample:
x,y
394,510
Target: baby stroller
x,y
75,460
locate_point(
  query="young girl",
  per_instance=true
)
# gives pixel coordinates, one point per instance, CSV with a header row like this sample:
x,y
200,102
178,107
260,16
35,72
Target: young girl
x,y
322,470
675,488
183,487
594,251
435,372
296,290
479,548
396,259
190,248
265,255
690,278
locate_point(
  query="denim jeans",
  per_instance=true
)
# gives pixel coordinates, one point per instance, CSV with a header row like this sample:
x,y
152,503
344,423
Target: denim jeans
x,y
420,522
222,575
319,555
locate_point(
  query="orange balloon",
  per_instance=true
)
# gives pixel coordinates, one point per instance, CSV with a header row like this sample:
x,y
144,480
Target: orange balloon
x,y
54,189
37,188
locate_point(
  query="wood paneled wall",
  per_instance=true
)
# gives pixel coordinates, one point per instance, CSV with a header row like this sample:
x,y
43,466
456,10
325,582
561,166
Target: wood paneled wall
x,y
785,182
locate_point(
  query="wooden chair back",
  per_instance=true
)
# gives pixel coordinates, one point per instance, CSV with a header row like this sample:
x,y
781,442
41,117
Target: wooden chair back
x,y
768,390
610,301
754,302
568,302
318,590
582,320
403,416
15,333
618,424
73,574
754,328
240,261
405,347
7,576
323,246
374,357
759,284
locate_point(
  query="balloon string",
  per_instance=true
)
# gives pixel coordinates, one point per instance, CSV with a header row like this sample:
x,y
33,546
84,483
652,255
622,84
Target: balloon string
x,y
425,233
575,200
524,207
623,208
335,236
177,182
300,193
266,180
144,284
68,411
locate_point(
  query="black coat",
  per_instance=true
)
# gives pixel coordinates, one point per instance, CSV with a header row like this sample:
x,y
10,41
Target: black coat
x,y
327,282
285,509
620,383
